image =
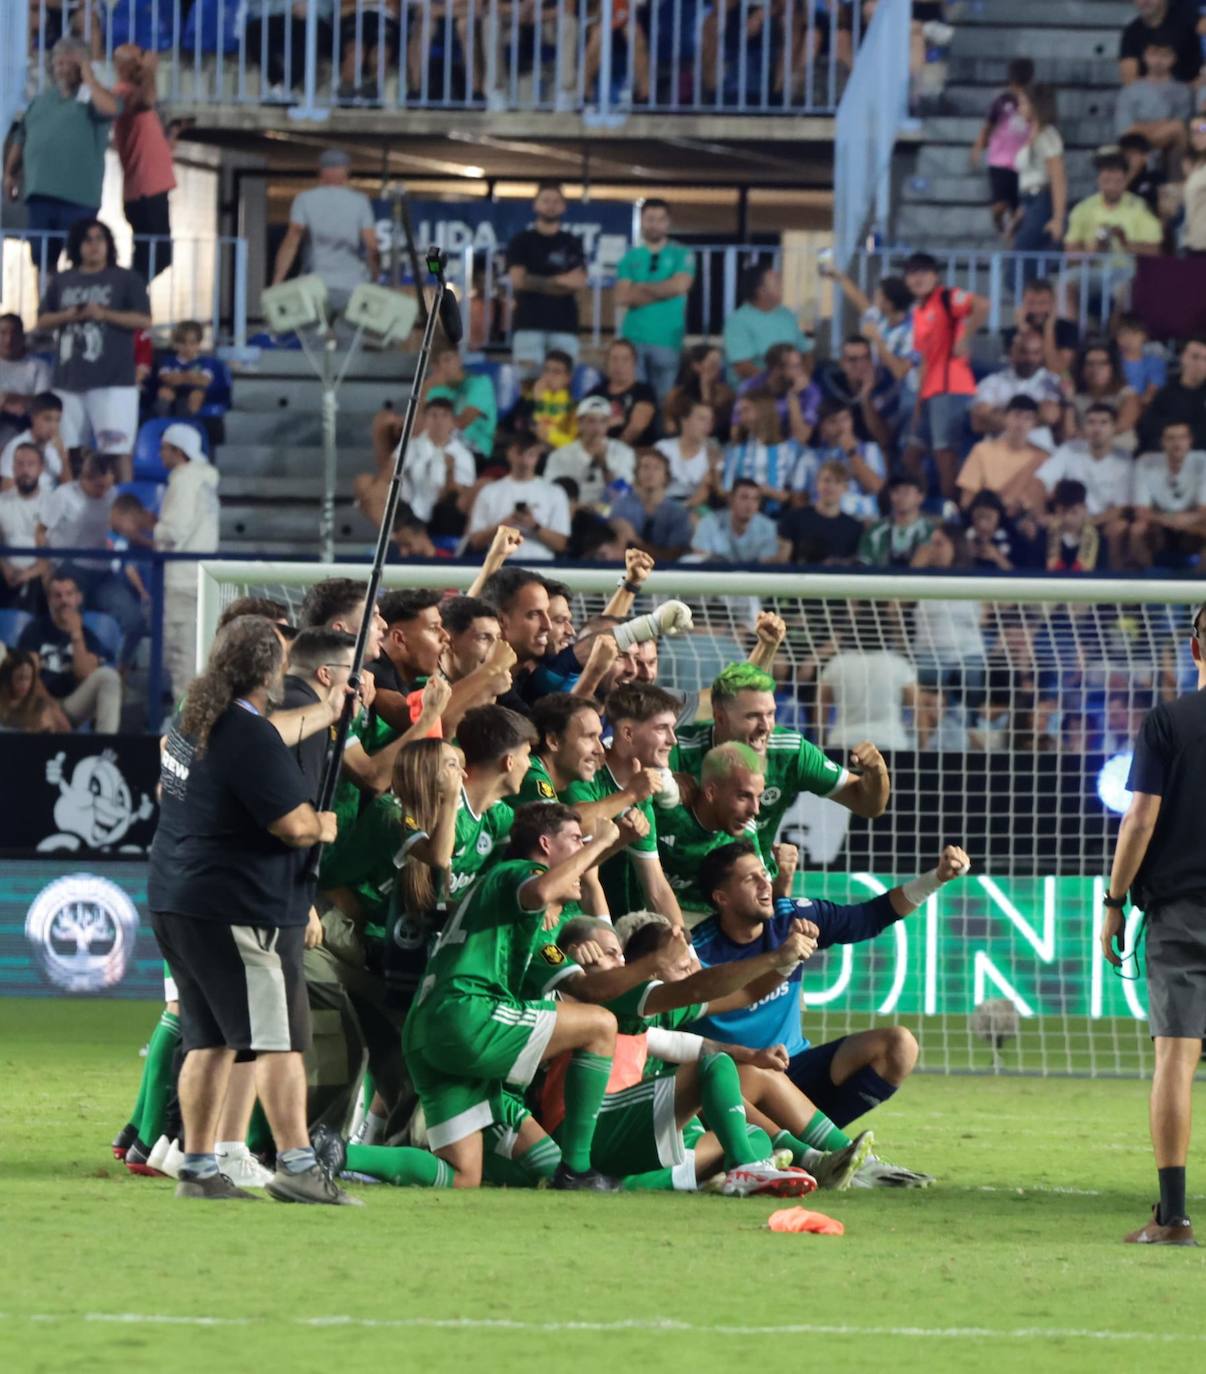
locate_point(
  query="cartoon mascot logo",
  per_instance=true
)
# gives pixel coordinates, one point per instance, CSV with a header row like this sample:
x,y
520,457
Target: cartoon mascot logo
x,y
94,809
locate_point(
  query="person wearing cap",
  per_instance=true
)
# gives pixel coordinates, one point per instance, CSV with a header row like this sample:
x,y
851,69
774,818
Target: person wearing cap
x,y
1160,865
594,460
337,224
188,523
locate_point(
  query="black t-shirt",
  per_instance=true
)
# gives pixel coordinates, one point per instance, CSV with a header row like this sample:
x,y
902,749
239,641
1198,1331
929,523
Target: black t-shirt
x,y
545,255
1175,402
1170,762
1066,336
310,753
815,538
1178,28
53,646
213,855
622,403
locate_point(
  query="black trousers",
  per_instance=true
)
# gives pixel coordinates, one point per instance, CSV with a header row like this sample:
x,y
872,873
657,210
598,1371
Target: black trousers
x,y
146,216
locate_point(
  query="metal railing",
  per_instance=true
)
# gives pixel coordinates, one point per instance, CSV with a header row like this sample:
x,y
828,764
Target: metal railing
x,y
205,279
602,57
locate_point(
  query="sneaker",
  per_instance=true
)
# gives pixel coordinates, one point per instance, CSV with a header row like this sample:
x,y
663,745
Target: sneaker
x,y
138,1158
159,1152
279,94
215,1188
937,33
1179,1231
497,102
124,1139
312,1185
763,1179
242,1168
330,1149
569,1180
878,1173
565,102
173,1162
835,1170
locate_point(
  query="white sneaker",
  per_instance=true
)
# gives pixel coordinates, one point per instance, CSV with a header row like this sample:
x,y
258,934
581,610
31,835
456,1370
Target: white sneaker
x,y
159,1153
174,1160
764,1179
878,1173
937,33
242,1168
836,1169
565,102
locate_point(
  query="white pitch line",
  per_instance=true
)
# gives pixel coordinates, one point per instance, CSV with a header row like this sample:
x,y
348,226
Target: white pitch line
x,y
654,1327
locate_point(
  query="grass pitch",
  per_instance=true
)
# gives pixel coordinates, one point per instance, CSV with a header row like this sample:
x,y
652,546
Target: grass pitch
x,y
1012,1262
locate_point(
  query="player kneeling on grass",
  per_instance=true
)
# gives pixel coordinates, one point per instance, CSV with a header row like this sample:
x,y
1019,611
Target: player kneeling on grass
x,y
845,1077
648,1129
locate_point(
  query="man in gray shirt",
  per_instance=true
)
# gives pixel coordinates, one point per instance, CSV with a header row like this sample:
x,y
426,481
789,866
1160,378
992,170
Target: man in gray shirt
x,y
337,225
1156,105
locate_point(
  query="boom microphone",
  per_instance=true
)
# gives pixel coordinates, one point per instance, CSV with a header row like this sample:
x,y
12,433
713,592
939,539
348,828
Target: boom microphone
x,y
450,310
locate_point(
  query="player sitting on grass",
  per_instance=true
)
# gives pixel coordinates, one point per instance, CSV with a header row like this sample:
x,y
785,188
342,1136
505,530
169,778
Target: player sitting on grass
x,y
845,1077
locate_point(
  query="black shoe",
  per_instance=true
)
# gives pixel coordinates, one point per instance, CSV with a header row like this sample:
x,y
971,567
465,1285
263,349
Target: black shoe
x,y
214,1188
124,1139
330,1149
313,1185
588,1181
137,1155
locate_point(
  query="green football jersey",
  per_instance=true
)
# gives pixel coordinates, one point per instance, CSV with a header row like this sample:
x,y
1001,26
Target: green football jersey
x,y
477,838
682,843
794,765
537,786
621,884
365,859
374,734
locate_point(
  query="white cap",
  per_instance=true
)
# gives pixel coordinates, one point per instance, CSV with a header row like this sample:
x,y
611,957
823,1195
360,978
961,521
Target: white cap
x,y
594,405
186,439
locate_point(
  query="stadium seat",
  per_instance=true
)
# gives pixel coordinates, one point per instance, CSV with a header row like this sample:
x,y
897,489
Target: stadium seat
x,y
149,493
107,630
220,394
585,379
12,622
506,383
145,22
148,465
214,25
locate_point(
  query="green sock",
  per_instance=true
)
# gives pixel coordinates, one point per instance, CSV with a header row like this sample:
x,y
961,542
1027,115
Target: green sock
x,y
723,1109
585,1088
259,1133
823,1135
760,1142
401,1165
655,1181
136,1115
157,1078
527,1170
799,1150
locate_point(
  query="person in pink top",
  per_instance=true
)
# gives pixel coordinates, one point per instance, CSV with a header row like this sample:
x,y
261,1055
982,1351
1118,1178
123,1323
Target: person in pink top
x,y
1003,134
146,160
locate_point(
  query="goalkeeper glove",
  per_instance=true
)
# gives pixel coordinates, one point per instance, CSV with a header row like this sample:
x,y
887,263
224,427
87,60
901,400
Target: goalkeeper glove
x,y
670,618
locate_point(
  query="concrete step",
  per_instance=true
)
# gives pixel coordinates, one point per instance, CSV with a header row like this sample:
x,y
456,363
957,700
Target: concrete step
x,y
951,160
1041,14
280,393
962,129
1056,45
920,225
972,188
1062,72
265,464
1094,102
293,428
237,488
282,525
292,362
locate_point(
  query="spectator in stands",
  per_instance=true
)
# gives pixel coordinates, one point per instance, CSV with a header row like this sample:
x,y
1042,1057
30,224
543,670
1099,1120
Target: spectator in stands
x,y
786,382
633,402
760,322
867,688
653,280
336,225
1025,376
1144,174
1193,233
891,543
887,324
823,531
547,408
474,405
864,460
1170,501
1073,541
21,377
696,460
739,534
276,40
1037,312
989,546
1113,221
19,507
1002,135
945,320
1168,22
1007,464
410,539
525,502
592,538
45,433
1183,398
1098,379
948,639
185,377
854,380
1104,470
1042,177
647,517
146,159
56,156
95,309
1144,365
439,470
547,266
25,704
1155,105
700,378
756,453
71,659
593,460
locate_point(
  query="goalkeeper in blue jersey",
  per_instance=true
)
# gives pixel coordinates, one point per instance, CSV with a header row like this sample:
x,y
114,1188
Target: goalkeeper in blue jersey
x,y
846,1077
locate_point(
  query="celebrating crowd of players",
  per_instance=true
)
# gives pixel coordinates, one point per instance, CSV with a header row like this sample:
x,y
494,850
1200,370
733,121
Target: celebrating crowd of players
x,y
553,936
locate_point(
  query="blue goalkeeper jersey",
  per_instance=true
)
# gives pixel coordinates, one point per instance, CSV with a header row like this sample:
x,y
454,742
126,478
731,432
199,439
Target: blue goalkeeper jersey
x,y
778,1018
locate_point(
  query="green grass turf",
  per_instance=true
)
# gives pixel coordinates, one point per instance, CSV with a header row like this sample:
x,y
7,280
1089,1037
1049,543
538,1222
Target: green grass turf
x,y
995,1247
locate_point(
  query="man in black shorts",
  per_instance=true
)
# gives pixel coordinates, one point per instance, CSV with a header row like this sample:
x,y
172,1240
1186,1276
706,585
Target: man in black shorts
x,y
1161,861
229,904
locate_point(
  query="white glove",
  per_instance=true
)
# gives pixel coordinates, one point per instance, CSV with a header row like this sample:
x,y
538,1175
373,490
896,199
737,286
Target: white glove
x,y
674,617
669,619
669,797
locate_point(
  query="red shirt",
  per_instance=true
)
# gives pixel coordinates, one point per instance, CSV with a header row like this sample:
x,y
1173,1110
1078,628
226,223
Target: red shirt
x,y
142,146
937,325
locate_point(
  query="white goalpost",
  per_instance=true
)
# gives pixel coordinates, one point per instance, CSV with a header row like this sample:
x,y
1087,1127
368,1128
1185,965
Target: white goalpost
x,y
1005,707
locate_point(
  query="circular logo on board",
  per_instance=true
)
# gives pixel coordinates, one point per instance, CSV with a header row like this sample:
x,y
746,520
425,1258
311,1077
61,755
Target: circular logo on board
x,y
82,929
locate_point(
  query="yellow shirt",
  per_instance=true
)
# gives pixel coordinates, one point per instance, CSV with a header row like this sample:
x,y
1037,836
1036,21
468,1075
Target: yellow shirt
x,y
1131,215
553,417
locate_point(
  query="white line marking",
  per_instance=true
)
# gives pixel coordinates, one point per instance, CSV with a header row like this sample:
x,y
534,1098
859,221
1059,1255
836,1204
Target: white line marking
x,y
1040,1188
655,1326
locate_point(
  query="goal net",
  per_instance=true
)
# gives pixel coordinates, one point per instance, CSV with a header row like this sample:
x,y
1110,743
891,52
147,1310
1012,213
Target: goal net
x,y
1006,708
